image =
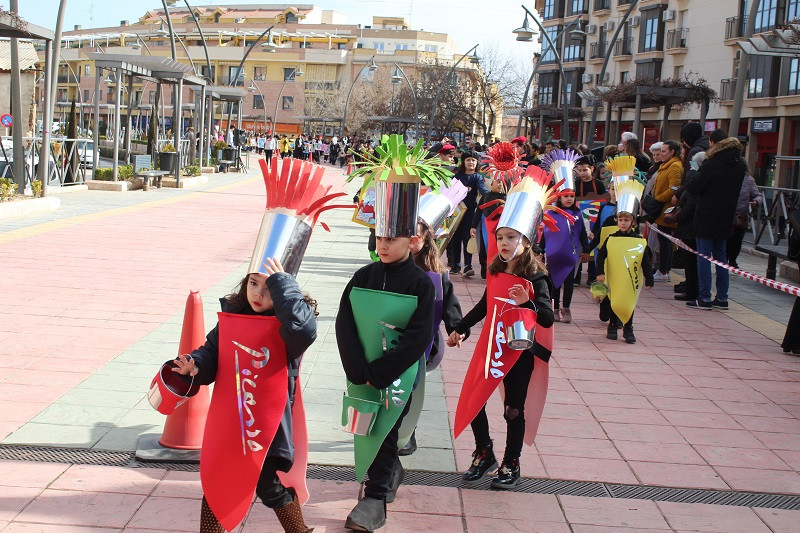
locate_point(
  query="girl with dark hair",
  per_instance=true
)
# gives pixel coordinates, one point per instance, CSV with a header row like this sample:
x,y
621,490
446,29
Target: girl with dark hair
x,y
469,176
634,147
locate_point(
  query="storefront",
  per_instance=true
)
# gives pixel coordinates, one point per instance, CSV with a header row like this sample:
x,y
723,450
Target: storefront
x,y
764,132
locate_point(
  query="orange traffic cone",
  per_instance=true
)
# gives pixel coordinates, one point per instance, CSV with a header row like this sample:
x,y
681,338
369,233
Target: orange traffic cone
x,y
184,427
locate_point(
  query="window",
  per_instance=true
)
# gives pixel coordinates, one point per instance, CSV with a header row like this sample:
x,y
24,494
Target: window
x,y
763,78
341,46
291,18
574,86
651,36
87,70
433,48
794,77
577,7
553,9
151,97
401,47
378,46
792,10
766,15
236,75
258,101
574,51
288,74
548,56
208,74
547,87
305,44
624,76
648,69
367,75
86,95
259,73
288,102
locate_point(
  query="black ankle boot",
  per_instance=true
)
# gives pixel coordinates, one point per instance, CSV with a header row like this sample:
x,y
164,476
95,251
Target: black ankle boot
x,y
627,334
611,333
483,461
508,475
410,447
368,515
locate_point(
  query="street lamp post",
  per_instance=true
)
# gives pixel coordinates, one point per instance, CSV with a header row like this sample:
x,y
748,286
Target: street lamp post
x,y
234,79
399,71
744,71
536,68
523,35
296,71
473,59
253,87
372,67
596,102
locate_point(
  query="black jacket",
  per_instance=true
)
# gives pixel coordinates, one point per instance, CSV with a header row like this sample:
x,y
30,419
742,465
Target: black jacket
x,y
647,260
687,203
404,277
487,211
543,305
717,186
298,331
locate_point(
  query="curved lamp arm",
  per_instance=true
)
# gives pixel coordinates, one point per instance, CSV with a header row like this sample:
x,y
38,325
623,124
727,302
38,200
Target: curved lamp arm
x,y
349,91
441,87
413,95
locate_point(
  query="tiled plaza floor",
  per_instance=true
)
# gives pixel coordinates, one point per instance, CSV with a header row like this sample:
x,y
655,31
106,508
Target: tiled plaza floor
x,y
92,302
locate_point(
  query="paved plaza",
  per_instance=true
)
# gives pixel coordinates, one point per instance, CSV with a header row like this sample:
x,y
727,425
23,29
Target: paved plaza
x,y
92,300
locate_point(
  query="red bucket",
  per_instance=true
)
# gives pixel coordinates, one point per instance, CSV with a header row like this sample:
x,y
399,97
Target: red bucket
x,y
168,390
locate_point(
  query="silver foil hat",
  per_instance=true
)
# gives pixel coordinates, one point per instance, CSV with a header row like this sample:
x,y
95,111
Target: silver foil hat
x,y
629,194
396,208
564,172
435,207
523,212
283,236
561,164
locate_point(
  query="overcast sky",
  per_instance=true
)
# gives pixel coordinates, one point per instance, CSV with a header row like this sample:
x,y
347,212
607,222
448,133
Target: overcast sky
x,y
467,22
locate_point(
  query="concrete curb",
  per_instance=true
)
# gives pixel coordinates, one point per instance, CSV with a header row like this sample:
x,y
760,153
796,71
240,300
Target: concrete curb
x,y
29,206
186,182
67,189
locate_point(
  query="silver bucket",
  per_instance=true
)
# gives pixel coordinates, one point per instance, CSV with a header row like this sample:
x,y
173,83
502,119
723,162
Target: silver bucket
x,y
283,236
359,415
628,203
518,337
434,208
396,208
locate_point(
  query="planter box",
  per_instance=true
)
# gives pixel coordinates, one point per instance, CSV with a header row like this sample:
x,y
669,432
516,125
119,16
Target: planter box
x,y
167,161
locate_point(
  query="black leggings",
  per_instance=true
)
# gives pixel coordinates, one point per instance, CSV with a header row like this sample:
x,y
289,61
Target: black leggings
x,y
516,392
734,245
380,471
458,243
269,488
568,285
664,250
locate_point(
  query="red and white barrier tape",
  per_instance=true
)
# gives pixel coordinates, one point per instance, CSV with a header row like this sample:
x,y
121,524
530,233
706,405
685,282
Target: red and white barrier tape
x,y
781,286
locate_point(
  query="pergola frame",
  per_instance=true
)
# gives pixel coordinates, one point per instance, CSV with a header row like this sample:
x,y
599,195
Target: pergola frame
x,y
159,69
222,93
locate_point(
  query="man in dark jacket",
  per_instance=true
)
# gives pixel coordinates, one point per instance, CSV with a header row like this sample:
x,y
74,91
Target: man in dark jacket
x,y
693,141
717,187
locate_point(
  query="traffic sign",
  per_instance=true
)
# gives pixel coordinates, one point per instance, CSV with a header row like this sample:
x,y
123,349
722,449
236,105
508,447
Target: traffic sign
x,y
6,120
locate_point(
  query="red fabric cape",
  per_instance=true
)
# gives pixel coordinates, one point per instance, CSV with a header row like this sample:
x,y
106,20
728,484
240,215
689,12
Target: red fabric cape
x,y
250,394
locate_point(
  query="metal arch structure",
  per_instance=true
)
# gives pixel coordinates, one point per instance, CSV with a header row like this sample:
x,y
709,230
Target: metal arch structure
x,y
369,64
278,99
413,95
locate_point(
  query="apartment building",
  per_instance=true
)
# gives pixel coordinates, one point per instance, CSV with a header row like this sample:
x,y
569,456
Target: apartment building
x,y
297,77
674,39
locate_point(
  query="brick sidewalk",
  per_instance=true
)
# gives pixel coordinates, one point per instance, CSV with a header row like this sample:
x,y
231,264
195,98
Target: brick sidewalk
x,y
92,302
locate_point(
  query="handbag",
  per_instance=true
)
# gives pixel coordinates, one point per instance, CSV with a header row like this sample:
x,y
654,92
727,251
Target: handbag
x,y
672,218
651,208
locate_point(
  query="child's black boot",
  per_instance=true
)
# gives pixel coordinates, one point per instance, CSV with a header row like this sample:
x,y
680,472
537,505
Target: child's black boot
x,y
611,332
483,460
508,476
368,515
627,334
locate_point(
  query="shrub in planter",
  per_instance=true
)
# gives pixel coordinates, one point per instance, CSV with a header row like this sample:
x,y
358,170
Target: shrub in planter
x,y
192,171
124,172
8,189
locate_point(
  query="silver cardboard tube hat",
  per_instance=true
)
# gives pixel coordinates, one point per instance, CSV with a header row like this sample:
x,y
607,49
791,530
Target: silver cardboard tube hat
x,y
565,173
617,180
628,203
283,236
522,212
396,208
434,208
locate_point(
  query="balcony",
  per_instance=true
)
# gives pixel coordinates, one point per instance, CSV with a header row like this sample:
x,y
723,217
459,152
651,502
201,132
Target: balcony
x,y
68,78
727,87
734,27
598,50
623,47
676,39
575,52
226,80
602,5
